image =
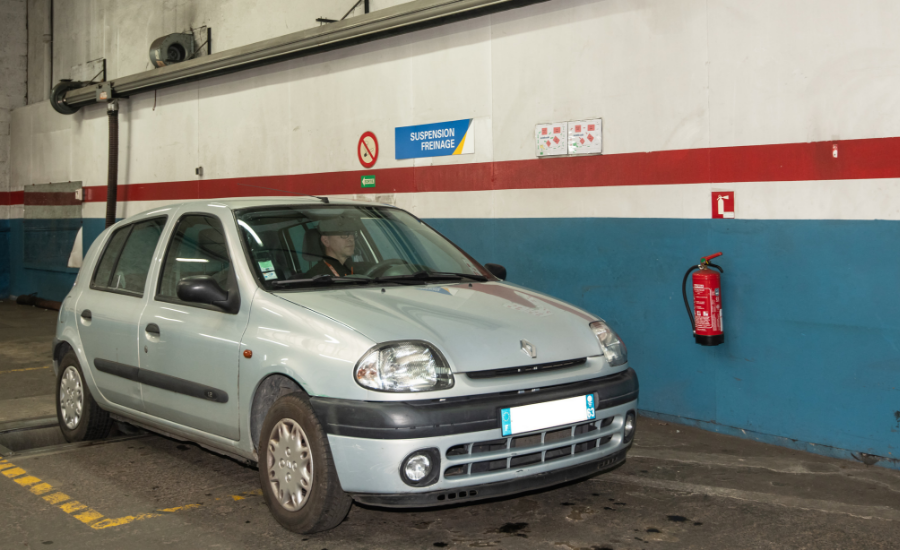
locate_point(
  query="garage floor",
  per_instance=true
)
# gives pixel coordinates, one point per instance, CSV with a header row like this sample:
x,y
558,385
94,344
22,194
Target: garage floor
x,y
680,488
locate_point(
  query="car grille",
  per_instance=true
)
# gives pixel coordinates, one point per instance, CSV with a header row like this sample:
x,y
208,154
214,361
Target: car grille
x,y
479,457
512,371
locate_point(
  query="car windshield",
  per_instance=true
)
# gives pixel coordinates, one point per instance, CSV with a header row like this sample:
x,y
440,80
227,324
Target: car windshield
x,y
323,246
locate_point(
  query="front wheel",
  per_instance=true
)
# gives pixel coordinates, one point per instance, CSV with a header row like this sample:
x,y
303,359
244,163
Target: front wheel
x,y
80,418
296,470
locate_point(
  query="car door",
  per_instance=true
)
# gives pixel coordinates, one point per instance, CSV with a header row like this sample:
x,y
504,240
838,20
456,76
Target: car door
x,y
189,370
109,310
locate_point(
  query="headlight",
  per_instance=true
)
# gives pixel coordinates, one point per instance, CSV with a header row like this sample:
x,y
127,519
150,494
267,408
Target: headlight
x,y
613,347
408,366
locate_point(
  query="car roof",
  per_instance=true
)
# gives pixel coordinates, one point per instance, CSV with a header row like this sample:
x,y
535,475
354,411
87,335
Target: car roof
x,y
250,202
209,205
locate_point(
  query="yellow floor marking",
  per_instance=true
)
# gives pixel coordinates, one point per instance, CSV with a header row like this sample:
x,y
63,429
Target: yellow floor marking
x,y
72,506
89,516
180,508
56,498
245,494
25,481
23,370
41,488
103,524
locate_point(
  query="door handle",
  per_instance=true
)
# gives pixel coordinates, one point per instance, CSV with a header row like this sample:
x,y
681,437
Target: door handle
x,y
153,329
86,315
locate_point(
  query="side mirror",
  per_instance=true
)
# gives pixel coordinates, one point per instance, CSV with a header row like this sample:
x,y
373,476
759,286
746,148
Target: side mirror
x,y
497,270
203,289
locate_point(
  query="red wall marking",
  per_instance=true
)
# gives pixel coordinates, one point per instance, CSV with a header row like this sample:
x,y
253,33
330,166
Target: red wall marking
x,y
723,204
859,159
11,197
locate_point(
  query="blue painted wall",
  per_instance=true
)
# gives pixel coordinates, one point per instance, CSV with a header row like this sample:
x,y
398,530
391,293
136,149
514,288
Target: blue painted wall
x,y
49,284
811,316
4,259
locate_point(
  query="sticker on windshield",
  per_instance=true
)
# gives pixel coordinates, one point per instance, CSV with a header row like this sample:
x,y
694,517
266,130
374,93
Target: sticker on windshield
x,y
269,275
266,266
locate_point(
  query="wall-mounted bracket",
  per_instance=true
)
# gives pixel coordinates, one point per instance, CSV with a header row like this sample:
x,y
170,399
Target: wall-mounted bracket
x,y
104,91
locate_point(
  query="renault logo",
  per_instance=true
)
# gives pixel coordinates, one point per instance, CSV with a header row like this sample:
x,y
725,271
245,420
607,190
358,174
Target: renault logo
x,y
529,349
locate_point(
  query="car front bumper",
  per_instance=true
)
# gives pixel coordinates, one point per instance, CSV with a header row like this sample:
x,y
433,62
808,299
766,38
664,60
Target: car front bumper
x,y
369,441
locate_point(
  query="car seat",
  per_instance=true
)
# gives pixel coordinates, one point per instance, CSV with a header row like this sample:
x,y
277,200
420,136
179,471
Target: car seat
x,y
312,246
212,247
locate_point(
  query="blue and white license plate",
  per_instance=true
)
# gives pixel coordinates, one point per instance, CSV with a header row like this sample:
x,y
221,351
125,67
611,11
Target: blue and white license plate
x,y
540,416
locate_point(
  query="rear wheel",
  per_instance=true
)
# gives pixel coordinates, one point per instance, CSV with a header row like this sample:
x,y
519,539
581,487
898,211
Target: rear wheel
x,y
296,470
80,418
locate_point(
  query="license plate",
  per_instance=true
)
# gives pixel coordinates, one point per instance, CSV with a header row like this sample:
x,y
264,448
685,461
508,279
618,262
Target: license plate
x,y
530,418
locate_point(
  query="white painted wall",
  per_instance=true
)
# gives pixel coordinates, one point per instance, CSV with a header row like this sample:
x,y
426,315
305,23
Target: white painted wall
x,y
13,58
663,74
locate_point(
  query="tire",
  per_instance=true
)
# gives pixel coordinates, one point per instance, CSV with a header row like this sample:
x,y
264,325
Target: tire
x,y
294,454
79,416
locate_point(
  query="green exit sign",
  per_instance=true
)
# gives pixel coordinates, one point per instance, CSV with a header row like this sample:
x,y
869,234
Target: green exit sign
x,y
367,181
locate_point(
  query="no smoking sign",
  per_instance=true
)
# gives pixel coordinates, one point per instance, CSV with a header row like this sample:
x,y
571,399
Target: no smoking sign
x,y
367,150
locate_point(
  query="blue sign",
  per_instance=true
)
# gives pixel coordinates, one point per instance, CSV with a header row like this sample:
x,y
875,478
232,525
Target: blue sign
x,y
435,140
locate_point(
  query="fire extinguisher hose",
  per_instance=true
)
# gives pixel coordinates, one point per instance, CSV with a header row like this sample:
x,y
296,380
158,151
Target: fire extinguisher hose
x,y
684,291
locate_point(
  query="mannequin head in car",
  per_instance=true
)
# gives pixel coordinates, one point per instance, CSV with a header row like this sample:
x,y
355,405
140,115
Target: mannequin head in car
x,y
338,237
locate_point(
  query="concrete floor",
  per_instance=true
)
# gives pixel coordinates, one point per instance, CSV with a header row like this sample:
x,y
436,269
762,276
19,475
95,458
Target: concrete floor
x,y
680,488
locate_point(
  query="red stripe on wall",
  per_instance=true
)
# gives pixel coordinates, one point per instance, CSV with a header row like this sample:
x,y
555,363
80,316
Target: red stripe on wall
x,y
11,197
857,159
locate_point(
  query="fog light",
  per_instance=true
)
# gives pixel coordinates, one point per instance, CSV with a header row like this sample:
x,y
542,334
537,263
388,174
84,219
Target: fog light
x,y
421,468
417,467
629,427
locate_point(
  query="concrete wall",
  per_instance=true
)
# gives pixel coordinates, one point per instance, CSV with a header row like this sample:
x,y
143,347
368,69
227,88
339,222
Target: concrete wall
x,y
38,15
696,97
13,59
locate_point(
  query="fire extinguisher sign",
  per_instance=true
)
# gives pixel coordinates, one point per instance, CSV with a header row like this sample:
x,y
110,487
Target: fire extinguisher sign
x,y
723,204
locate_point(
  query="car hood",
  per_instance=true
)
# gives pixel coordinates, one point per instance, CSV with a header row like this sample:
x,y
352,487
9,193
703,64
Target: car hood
x,y
477,326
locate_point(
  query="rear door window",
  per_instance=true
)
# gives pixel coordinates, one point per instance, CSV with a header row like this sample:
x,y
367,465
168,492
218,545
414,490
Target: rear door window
x,y
125,263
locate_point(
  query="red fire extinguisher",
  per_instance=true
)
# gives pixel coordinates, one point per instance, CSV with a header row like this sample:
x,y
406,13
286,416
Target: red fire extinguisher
x,y
706,319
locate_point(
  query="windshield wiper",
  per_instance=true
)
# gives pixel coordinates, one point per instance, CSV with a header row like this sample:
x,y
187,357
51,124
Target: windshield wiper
x,y
325,280
431,276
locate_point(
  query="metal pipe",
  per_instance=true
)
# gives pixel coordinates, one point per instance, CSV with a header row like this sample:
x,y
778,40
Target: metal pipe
x,y
112,176
403,18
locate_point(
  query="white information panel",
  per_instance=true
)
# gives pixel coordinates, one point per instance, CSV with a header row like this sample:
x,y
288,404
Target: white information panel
x,y
550,139
530,418
585,136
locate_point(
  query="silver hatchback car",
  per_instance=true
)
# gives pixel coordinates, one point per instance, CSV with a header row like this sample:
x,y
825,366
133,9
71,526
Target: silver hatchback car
x,y
347,348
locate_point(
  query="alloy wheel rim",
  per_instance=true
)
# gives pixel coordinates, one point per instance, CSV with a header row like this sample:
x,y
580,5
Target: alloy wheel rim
x,y
71,397
290,465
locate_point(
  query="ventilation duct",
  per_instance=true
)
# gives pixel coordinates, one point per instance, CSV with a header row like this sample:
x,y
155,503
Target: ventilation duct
x,y
407,17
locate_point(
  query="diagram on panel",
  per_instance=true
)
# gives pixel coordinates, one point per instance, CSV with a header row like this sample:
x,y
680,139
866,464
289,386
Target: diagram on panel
x,y
550,139
585,136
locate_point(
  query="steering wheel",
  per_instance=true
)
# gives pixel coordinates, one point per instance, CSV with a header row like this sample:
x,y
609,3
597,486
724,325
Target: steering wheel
x,y
381,268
